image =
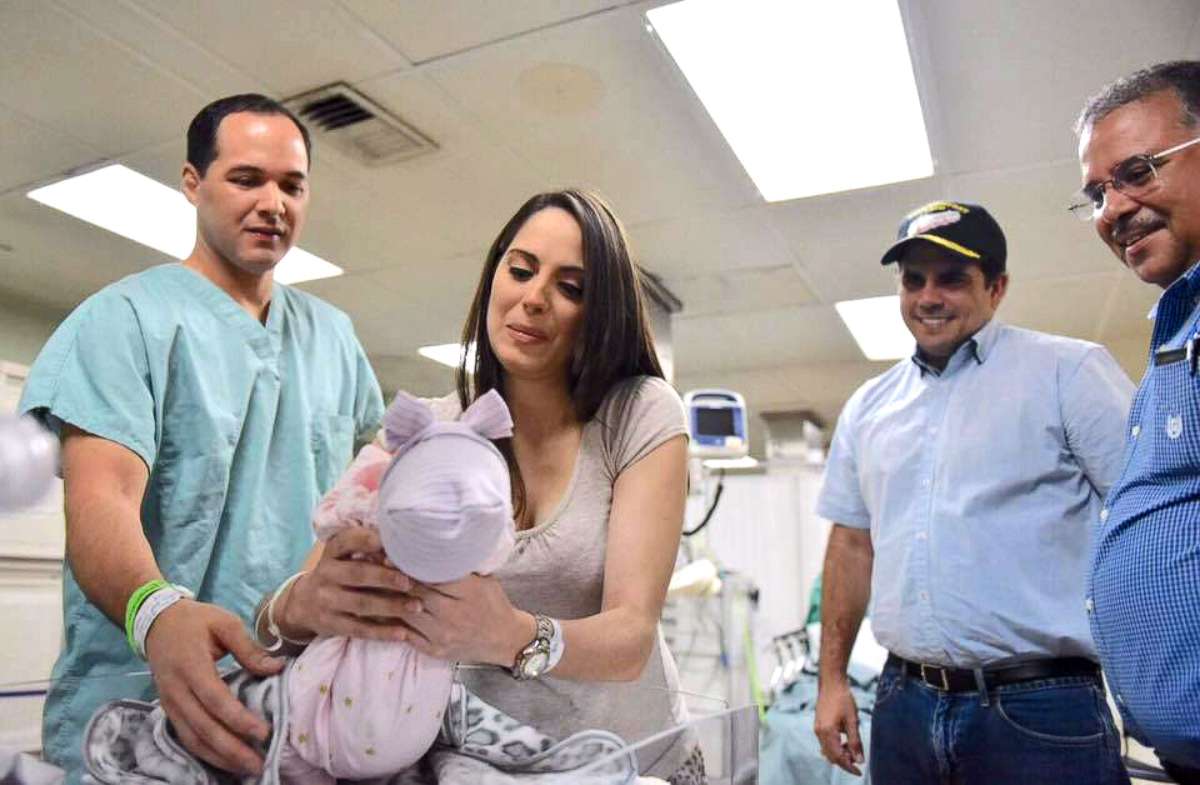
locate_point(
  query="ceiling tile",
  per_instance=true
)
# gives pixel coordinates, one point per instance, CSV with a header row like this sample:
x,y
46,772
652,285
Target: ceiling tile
x,y
1030,204
30,152
171,50
425,29
782,336
741,290
396,311
77,81
291,45
58,260
1011,77
840,238
710,242
597,104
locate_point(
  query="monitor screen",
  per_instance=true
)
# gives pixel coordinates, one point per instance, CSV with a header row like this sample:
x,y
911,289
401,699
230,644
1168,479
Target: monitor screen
x,y
714,422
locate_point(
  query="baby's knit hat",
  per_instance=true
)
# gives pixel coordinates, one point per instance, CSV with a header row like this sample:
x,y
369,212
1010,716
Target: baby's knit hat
x,y
445,502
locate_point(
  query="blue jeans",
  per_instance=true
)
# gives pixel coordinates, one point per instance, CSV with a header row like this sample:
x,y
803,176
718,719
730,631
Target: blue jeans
x,y
1051,731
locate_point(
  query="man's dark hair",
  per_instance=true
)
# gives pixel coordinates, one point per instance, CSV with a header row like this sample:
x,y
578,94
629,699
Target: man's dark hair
x,y
1181,76
991,269
202,133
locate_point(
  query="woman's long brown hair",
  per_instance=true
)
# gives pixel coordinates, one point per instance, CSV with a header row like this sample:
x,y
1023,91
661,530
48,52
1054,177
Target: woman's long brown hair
x,y
615,342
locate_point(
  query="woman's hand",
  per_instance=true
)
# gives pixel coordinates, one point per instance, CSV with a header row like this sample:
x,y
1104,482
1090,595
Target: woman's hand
x,y
349,590
468,620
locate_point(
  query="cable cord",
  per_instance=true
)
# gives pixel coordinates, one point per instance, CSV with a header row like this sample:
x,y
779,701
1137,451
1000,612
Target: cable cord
x,y
711,508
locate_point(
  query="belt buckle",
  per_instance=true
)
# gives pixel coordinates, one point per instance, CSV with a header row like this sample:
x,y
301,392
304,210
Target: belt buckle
x,y
945,685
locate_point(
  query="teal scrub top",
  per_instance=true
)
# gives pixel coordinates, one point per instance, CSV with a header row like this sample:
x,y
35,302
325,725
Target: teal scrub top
x,y
243,426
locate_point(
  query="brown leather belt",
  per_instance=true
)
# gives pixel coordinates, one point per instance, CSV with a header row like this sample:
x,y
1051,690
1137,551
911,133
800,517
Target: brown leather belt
x,y
963,679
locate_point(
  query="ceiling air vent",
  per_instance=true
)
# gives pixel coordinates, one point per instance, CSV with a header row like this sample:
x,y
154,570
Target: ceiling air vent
x,y
344,118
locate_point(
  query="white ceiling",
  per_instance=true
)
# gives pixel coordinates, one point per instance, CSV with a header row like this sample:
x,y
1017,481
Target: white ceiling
x,y
529,95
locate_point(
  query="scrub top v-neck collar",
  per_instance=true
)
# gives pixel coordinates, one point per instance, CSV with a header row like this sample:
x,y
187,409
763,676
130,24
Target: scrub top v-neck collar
x,y
263,339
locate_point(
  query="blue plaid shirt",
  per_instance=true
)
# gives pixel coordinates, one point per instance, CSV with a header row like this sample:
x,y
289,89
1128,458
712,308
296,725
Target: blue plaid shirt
x,y
1144,598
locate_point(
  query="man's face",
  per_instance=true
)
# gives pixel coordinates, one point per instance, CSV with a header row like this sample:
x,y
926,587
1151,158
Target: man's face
x,y
251,202
1157,235
944,299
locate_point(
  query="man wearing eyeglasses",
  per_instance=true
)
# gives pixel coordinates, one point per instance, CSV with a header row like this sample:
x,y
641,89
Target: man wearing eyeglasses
x,y
1139,148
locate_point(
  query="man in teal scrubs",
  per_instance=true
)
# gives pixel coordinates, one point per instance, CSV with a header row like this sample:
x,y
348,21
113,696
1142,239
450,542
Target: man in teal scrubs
x,y
204,409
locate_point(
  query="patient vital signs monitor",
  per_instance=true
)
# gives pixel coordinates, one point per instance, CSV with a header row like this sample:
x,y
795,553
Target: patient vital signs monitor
x,y
716,424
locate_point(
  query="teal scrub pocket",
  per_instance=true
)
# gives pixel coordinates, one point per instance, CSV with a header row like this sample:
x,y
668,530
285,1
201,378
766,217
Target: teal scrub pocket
x,y
332,442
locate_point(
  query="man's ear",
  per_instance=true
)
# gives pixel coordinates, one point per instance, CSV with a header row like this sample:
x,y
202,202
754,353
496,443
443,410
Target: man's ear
x,y
189,182
999,288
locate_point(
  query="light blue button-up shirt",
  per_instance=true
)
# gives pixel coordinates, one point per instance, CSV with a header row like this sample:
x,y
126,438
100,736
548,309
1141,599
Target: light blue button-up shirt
x,y
981,487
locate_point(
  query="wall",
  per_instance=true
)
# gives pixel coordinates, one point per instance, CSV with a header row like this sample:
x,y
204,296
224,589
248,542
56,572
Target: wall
x,y
31,548
24,328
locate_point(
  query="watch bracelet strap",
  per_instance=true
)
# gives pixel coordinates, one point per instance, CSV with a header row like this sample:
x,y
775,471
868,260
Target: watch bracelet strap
x,y
556,645
543,632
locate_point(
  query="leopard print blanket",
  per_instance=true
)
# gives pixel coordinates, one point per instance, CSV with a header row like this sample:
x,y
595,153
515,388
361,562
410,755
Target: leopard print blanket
x,y
130,743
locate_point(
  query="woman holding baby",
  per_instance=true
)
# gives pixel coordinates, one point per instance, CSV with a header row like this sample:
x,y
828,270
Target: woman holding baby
x,y
597,462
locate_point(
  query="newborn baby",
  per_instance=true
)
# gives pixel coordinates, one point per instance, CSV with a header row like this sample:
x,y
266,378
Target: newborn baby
x,y
439,494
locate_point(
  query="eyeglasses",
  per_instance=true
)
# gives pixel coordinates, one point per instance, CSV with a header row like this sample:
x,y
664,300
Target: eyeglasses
x,y
1135,176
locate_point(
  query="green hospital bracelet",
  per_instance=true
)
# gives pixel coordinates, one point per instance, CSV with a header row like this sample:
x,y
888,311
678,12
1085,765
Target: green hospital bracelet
x,y
135,603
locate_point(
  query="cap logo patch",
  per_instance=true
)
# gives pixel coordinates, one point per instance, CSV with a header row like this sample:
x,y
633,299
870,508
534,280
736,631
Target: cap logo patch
x,y
930,221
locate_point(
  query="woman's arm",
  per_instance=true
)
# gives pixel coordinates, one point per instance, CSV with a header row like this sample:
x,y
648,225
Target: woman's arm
x,y
643,540
471,620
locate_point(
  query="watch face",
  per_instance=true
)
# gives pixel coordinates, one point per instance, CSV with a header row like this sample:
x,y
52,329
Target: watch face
x,y
534,664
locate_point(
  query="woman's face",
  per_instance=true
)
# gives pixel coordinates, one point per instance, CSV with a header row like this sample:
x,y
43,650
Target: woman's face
x,y
536,309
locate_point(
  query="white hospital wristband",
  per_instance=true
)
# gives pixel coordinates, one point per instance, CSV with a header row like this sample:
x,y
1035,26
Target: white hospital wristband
x,y
150,609
556,646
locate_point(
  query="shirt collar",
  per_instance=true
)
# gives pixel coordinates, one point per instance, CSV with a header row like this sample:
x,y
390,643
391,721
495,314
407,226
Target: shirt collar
x,y
977,347
1191,282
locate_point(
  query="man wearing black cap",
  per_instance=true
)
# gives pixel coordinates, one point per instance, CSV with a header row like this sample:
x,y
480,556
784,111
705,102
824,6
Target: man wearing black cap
x,y
975,472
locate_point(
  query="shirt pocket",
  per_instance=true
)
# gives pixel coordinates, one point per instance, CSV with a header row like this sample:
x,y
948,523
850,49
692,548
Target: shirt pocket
x,y
332,444
188,490
1176,423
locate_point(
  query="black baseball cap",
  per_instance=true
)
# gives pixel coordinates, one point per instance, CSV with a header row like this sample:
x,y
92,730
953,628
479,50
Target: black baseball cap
x,y
965,229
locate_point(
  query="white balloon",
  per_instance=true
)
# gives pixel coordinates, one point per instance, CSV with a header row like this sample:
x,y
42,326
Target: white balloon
x,y
28,462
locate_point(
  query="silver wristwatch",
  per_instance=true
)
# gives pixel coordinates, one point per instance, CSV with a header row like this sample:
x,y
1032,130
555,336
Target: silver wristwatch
x,y
533,660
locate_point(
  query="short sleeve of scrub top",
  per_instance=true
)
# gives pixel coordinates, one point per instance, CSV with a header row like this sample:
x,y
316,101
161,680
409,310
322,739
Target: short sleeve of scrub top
x,y
94,375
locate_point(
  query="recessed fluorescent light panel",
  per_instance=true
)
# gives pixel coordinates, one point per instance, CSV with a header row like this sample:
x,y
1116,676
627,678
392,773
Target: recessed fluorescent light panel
x,y
813,97
448,354
138,208
878,328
